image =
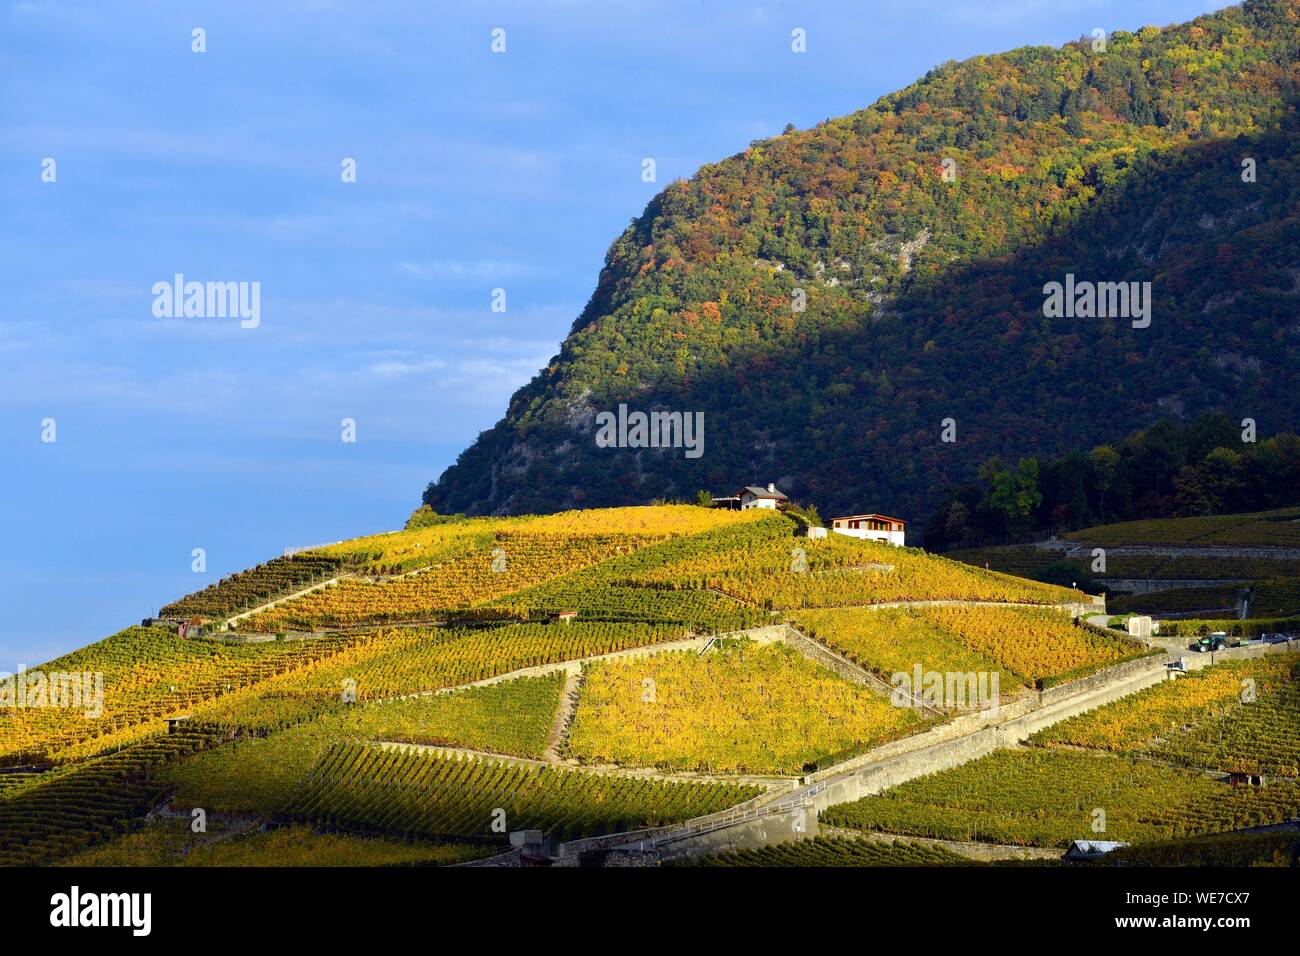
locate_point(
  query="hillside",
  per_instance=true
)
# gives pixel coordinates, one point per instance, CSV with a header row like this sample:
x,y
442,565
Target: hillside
x,y
1205,567
1122,164
436,654
647,676
1149,762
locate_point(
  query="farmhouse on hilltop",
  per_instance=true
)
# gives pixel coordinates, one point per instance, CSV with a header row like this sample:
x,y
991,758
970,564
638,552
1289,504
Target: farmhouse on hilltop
x,y
872,527
752,496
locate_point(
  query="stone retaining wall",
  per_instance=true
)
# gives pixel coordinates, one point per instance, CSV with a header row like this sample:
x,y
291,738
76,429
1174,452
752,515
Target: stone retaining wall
x,y
1199,659
1101,678
1154,585
936,755
956,742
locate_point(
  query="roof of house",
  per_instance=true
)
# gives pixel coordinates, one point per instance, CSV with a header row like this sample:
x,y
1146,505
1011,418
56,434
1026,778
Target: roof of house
x,y
761,492
860,517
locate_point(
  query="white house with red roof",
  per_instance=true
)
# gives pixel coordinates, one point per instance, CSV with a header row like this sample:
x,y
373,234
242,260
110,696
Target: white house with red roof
x,y
871,527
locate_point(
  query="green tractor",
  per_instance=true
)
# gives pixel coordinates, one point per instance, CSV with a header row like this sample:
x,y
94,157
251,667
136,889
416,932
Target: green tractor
x,y
1214,642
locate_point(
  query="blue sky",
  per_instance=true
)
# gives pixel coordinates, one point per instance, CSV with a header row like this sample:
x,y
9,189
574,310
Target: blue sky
x,y
475,171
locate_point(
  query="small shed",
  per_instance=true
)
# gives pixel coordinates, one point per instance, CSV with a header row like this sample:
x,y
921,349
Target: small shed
x,y
563,617
174,723
527,837
1139,627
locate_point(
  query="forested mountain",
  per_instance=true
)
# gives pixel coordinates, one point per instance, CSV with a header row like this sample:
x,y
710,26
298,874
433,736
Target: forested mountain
x,y
1202,467
922,232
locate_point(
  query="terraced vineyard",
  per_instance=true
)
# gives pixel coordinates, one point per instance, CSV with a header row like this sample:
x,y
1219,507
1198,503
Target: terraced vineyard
x,y
771,570
402,551
148,674
361,787
15,779
1280,528
269,707
895,640
1028,560
1250,628
1034,643
512,717
513,562
719,580
618,589
255,776
314,730
411,660
1022,645
171,843
1139,760
865,312
1260,551
594,597
1280,848
1262,737
247,589
54,818
263,772
1279,597
746,708
1047,798
1238,716
1177,601
838,852
473,563
657,521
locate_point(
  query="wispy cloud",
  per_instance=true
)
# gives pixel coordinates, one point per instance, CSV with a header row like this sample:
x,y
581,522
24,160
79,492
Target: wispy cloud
x,y
468,269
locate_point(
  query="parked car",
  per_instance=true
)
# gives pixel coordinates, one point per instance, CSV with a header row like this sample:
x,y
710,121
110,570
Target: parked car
x,y
1275,638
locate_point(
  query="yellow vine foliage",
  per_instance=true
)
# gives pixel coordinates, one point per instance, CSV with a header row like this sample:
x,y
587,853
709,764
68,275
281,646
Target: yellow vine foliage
x,y
788,573
755,709
1031,642
495,568
1162,716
